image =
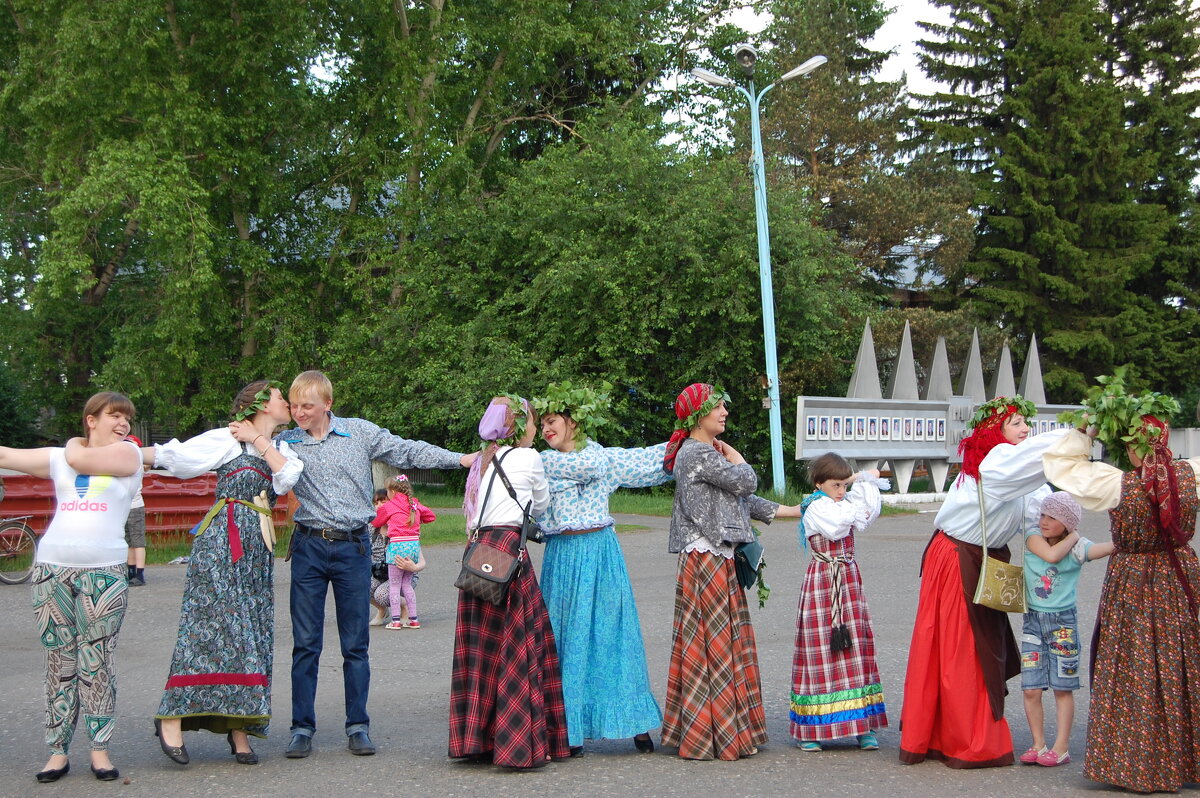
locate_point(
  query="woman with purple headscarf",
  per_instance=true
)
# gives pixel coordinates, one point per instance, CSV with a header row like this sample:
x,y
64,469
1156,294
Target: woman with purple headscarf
x,y
506,703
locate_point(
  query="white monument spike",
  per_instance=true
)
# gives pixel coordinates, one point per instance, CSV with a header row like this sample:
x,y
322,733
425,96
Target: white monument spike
x,y
1002,380
1032,387
864,382
903,385
938,389
937,384
972,382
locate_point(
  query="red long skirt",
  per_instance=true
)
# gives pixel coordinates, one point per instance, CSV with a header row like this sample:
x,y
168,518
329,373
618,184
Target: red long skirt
x,y
946,713
506,686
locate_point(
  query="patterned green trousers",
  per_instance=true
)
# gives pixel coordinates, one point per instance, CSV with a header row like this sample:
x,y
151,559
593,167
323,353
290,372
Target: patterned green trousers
x,y
78,613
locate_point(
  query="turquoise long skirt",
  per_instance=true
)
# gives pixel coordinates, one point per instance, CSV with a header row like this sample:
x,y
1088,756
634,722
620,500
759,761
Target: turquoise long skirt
x,y
606,685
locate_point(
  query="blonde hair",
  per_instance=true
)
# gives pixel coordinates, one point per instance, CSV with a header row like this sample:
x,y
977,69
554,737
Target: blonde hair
x,y
314,382
100,403
400,484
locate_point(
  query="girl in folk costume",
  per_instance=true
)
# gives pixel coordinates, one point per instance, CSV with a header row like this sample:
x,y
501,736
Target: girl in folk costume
x,y
835,680
962,653
402,515
506,703
220,676
606,684
1142,728
714,692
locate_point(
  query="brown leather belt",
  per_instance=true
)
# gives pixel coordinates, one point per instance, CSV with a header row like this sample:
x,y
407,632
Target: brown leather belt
x,y
582,531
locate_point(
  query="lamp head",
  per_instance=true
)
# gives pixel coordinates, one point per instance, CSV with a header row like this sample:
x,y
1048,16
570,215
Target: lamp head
x,y
805,68
712,78
746,55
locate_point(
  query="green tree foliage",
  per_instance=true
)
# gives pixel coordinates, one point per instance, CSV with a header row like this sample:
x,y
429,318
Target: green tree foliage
x,y
616,260
841,135
1067,236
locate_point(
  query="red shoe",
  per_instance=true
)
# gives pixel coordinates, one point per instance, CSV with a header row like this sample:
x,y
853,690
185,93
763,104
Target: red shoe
x,y
1030,757
1050,759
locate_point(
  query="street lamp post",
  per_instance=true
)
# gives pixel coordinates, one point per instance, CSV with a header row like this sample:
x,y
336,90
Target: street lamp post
x,y
746,56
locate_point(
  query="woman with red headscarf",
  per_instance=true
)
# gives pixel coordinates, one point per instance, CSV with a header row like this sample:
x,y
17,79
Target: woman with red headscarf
x,y
714,693
1142,726
962,653
506,701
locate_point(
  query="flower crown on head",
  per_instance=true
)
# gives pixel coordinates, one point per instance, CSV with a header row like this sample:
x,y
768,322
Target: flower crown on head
x,y
1116,413
715,398
260,401
1000,407
520,418
586,406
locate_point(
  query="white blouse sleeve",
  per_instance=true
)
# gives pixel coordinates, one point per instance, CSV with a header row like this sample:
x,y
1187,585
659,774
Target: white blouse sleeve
x,y
285,478
1097,486
198,455
1009,472
836,520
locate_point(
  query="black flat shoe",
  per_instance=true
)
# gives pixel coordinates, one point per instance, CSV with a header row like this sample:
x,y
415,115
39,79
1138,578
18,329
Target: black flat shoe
x,y
299,747
242,757
360,744
105,774
643,744
179,755
47,776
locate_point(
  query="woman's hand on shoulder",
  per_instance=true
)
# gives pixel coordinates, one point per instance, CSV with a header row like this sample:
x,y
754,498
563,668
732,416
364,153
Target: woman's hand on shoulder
x,y
468,459
788,511
728,452
243,431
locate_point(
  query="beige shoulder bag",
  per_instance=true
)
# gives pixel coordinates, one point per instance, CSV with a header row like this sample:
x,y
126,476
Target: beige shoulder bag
x,y
1001,584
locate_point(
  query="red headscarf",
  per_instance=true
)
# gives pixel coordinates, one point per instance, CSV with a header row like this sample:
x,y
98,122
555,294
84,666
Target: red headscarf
x,y
1158,480
687,403
986,435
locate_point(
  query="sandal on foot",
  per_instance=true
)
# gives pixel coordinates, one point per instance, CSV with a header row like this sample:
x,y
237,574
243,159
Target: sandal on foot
x,y
1049,759
1030,757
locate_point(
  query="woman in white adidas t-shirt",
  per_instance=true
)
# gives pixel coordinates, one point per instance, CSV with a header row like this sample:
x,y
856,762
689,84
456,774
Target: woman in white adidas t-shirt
x,y
79,585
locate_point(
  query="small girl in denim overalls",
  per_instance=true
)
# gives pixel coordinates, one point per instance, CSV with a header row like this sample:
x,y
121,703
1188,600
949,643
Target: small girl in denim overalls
x,y
1054,554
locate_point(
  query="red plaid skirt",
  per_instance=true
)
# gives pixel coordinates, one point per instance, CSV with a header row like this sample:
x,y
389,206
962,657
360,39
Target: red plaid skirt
x,y
506,686
714,691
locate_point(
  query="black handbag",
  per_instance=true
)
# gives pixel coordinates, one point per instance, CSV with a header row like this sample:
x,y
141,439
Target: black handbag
x,y
379,570
746,558
486,570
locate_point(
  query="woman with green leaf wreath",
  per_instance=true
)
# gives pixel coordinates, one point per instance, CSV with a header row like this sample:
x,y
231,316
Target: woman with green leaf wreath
x,y
1142,727
714,690
962,653
606,686
220,677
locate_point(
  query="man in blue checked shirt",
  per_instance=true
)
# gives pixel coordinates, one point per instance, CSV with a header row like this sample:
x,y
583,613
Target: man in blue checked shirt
x,y
331,546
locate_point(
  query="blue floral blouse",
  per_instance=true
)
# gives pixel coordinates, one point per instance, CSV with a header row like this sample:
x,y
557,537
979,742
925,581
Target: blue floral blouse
x,y
582,480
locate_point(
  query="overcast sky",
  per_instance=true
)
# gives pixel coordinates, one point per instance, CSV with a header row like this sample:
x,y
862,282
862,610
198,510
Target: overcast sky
x,y
900,34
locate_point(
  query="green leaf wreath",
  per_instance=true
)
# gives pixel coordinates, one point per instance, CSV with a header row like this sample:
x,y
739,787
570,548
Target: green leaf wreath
x,y
1116,413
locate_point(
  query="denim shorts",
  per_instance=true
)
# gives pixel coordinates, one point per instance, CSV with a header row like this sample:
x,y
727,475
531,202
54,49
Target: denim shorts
x,y
1050,651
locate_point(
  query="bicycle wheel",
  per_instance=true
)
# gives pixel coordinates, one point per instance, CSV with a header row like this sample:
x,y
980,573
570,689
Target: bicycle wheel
x,y
18,548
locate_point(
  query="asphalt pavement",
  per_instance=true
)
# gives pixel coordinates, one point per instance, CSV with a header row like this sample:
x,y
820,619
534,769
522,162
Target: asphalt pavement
x,y
410,697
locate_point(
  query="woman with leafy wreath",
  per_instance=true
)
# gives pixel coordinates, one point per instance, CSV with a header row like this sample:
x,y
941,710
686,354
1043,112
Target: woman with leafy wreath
x,y
220,676
962,653
606,686
1145,690
506,703
714,691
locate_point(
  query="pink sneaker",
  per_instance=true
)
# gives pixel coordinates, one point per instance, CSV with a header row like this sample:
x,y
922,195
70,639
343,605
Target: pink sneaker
x,y
1050,759
1030,757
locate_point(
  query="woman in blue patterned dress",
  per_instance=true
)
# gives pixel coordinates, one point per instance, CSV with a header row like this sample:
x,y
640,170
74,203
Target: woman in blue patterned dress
x,y
606,686
220,677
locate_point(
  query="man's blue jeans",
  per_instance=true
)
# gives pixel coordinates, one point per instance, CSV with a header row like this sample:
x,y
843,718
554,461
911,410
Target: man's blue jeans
x,y
346,565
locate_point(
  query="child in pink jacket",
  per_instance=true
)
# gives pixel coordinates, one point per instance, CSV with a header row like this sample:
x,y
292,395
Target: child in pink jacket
x,y
403,516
